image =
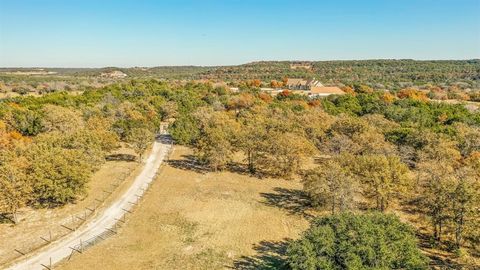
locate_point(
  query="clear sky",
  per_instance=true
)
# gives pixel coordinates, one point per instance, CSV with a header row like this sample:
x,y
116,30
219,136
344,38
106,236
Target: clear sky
x,y
97,33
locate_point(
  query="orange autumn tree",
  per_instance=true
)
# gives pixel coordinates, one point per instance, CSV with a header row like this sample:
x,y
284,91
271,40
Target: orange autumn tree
x,y
255,83
276,84
387,97
240,102
285,93
14,189
348,90
8,138
265,97
412,94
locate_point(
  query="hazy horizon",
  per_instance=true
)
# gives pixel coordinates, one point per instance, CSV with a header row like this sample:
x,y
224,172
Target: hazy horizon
x,y
83,34
253,61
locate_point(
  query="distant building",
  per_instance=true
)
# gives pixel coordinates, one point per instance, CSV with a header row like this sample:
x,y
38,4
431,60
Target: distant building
x,y
115,74
323,91
300,66
39,71
302,84
472,107
268,89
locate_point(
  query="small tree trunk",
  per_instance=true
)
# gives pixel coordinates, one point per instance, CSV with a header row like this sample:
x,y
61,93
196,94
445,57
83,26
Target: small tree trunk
x,y
378,201
440,232
333,205
382,204
15,217
459,229
251,168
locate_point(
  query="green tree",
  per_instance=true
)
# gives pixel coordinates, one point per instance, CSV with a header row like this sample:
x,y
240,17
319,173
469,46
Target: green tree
x,y
283,153
468,139
58,176
185,129
217,135
354,135
331,184
139,139
15,191
437,182
348,241
251,137
437,166
383,178
57,118
25,121
465,202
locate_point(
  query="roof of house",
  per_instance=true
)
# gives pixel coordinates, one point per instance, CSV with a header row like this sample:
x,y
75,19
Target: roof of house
x,y
303,82
113,73
326,90
296,81
315,83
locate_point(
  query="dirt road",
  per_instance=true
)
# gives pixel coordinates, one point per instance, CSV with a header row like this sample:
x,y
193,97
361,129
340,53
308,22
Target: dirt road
x,y
106,220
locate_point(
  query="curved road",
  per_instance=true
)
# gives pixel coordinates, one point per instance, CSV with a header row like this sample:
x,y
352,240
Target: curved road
x,y
100,224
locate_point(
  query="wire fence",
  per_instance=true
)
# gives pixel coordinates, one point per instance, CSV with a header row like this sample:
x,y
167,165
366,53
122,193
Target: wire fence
x,y
77,220
60,230
85,244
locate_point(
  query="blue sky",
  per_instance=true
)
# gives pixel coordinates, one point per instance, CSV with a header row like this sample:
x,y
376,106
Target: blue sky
x,y
97,33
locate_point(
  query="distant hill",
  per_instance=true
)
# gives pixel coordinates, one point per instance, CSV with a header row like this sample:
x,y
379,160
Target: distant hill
x,y
391,74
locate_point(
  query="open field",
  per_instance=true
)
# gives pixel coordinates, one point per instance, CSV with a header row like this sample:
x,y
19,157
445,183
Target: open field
x,y
193,219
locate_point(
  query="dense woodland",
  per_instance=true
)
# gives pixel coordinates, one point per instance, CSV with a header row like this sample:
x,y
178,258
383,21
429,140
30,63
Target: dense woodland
x,y
365,151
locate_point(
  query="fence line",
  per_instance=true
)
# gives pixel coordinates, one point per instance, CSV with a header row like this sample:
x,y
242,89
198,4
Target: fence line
x,y
78,220
85,244
65,228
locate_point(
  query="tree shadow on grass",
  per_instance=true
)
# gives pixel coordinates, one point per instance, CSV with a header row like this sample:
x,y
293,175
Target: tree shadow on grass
x,y
295,201
439,254
241,168
6,219
121,157
412,206
164,138
270,255
189,163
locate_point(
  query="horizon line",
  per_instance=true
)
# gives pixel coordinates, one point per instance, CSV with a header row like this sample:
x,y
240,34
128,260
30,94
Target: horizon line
x,y
233,65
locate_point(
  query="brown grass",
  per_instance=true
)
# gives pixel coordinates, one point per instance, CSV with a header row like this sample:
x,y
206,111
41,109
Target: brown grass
x,y
192,219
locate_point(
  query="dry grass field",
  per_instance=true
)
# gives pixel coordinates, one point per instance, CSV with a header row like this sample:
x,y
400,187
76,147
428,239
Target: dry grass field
x,y
193,219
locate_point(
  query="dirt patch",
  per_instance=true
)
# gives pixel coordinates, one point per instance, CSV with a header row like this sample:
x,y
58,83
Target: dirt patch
x,y
202,220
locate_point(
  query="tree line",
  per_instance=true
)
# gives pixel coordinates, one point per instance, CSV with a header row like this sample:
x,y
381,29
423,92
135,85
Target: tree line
x,y
380,74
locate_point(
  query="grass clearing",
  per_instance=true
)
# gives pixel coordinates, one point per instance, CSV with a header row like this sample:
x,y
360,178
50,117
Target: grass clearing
x,y
192,219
